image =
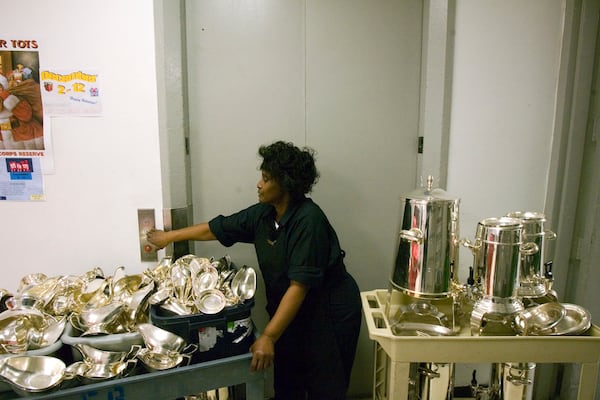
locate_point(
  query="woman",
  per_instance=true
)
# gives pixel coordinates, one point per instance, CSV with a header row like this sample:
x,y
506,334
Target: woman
x,y
313,302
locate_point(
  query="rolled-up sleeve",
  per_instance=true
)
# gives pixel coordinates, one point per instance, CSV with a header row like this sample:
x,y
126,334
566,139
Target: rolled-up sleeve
x,y
309,249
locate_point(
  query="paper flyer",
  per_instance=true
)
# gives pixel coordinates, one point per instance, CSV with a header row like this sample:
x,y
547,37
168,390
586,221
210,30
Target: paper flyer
x,y
21,179
71,93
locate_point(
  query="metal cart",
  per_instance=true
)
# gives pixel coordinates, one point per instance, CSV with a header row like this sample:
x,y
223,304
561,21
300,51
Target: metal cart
x,y
393,354
169,384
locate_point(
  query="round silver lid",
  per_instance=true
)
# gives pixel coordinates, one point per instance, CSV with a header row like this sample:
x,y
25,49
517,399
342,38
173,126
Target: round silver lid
x,y
210,301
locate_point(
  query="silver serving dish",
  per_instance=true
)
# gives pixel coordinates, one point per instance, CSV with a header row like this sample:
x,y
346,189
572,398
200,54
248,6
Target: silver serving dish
x,y
49,335
181,280
33,374
159,340
116,326
576,321
539,318
93,355
106,371
420,329
126,285
176,307
31,280
210,301
92,373
101,315
243,283
422,312
159,361
96,294
27,328
205,280
136,304
160,296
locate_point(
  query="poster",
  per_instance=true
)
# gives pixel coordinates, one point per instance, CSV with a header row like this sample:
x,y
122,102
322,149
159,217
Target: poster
x,y
30,97
24,127
21,179
21,109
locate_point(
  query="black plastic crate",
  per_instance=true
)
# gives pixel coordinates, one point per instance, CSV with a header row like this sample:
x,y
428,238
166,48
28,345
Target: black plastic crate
x,y
227,333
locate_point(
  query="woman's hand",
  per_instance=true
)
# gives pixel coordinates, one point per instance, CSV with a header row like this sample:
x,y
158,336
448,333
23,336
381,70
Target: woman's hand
x,y
263,353
157,238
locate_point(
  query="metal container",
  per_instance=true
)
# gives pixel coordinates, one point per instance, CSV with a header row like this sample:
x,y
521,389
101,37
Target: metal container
x,y
517,381
532,281
431,381
427,244
497,255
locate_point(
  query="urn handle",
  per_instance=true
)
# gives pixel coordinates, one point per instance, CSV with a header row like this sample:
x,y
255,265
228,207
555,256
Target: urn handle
x,y
412,235
473,246
529,248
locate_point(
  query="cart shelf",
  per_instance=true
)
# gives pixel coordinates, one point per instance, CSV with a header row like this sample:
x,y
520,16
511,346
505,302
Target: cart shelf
x,y
399,351
168,384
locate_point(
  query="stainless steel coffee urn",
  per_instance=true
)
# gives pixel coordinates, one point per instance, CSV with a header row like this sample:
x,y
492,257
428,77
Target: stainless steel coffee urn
x,y
533,275
497,252
427,246
421,301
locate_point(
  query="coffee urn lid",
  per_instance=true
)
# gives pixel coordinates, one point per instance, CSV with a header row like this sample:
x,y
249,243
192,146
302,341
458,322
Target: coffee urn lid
x,y
527,216
428,193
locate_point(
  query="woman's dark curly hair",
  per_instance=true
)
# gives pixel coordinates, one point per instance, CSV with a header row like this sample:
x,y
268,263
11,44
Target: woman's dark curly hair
x,y
292,168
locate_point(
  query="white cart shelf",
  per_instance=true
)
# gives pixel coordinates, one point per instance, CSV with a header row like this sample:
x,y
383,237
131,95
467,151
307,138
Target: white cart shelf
x,y
399,351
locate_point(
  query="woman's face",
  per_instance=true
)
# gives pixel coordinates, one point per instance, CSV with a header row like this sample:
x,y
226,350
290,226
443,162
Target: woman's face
x,y
269,190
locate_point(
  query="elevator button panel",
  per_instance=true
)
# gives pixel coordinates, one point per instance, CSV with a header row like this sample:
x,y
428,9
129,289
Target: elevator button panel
x,y
146,222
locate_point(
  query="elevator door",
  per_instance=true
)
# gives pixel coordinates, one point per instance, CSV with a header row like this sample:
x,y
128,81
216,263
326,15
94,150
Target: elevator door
x,y
339,76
